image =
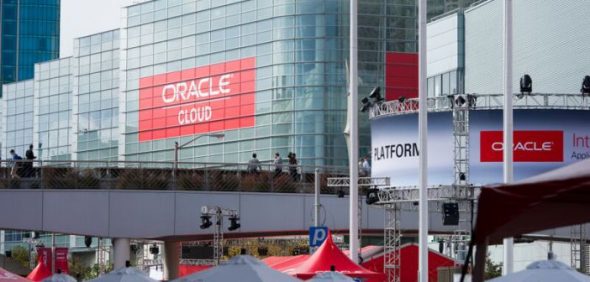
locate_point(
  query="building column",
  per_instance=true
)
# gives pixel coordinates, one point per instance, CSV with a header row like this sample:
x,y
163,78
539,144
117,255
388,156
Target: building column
x,y
121,251
171,255
2,242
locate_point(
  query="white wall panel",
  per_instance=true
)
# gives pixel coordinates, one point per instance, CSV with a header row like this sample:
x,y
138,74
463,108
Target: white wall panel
x,y
550,44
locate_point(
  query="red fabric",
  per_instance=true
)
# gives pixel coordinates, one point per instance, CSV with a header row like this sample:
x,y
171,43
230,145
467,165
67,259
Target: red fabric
x,y
554,199
328,255
409,264
185,269
401,75
40,272
285,264
6,276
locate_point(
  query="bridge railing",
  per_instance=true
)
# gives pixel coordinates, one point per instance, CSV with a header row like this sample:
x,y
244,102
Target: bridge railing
x,y
128,175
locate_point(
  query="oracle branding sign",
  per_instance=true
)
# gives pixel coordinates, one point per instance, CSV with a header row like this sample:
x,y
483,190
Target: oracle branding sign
x,y
529,146
200,100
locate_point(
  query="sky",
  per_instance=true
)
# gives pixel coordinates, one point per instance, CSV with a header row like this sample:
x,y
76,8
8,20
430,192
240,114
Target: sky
x,y
84,17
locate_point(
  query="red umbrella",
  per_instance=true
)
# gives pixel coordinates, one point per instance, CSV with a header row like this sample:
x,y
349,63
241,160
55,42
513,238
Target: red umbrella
x,y
6,276
329,258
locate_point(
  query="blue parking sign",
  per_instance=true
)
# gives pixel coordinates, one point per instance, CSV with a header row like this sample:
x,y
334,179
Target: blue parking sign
x,y
317,235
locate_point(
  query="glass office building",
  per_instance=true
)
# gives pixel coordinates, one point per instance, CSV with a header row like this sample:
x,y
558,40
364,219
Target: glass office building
x,y
29,34
95,93
53,110
17,116
299,50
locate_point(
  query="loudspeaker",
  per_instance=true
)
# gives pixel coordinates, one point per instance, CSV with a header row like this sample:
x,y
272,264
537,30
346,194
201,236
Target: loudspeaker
x,y
450,214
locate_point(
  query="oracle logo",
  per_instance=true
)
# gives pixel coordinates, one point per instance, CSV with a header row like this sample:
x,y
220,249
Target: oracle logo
x,y
525,146
198,100
199,88
529,146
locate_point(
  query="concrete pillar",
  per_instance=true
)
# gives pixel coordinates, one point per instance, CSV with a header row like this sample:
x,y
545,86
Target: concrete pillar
x,y
121,251
171,255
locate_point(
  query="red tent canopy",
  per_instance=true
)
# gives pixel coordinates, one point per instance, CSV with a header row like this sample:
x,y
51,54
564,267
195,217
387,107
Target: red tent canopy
x,y
409,263
6,276
285,264
554,199
187,269
327,256
40,272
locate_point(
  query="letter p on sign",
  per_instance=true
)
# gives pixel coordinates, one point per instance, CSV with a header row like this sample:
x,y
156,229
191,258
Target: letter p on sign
x,y
317,235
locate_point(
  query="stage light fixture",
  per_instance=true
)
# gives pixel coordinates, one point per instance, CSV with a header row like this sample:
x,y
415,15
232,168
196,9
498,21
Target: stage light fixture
x,y
366,104
372,196
401,99
526,85
376,95
233,223
585,86
460,100
87,241
154,250
462,176
205,221
450,214
340,193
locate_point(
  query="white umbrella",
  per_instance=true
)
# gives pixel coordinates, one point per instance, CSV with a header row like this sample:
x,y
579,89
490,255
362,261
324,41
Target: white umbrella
x,y
128,274
60,277
239,269
544,271
330,276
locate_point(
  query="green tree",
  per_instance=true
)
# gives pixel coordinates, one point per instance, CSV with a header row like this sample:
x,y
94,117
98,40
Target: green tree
x,y
21,255
492,269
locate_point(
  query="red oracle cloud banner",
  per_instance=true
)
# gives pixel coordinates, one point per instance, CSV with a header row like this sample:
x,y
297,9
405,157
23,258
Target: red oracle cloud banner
x,y
205,99
529,146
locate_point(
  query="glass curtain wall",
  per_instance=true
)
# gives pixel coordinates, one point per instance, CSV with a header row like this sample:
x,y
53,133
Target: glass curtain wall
x,y
30,34
17,120
301,51
53,107
96,96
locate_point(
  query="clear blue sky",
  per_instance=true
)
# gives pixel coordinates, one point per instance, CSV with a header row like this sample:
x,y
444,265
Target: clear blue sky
x,y
84,17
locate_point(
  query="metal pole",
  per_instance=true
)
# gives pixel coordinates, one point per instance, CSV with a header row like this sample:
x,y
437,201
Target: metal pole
x,y
354,135
176,148
316,216
423,148
508,124
52,253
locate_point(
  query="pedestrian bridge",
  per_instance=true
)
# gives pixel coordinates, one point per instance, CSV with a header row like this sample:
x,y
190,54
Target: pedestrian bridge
x,y
156,201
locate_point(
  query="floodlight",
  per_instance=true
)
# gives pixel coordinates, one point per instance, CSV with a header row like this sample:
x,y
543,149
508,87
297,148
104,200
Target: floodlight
x,y
526,84
366,104
87,241
205,221
154,250
372,196
233,223
586,85
376,95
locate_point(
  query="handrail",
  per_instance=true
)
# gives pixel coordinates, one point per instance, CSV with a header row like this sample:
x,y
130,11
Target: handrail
x,y
144,175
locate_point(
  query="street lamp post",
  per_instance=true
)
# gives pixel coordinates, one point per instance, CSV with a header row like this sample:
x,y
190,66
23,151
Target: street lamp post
x,y
177,147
